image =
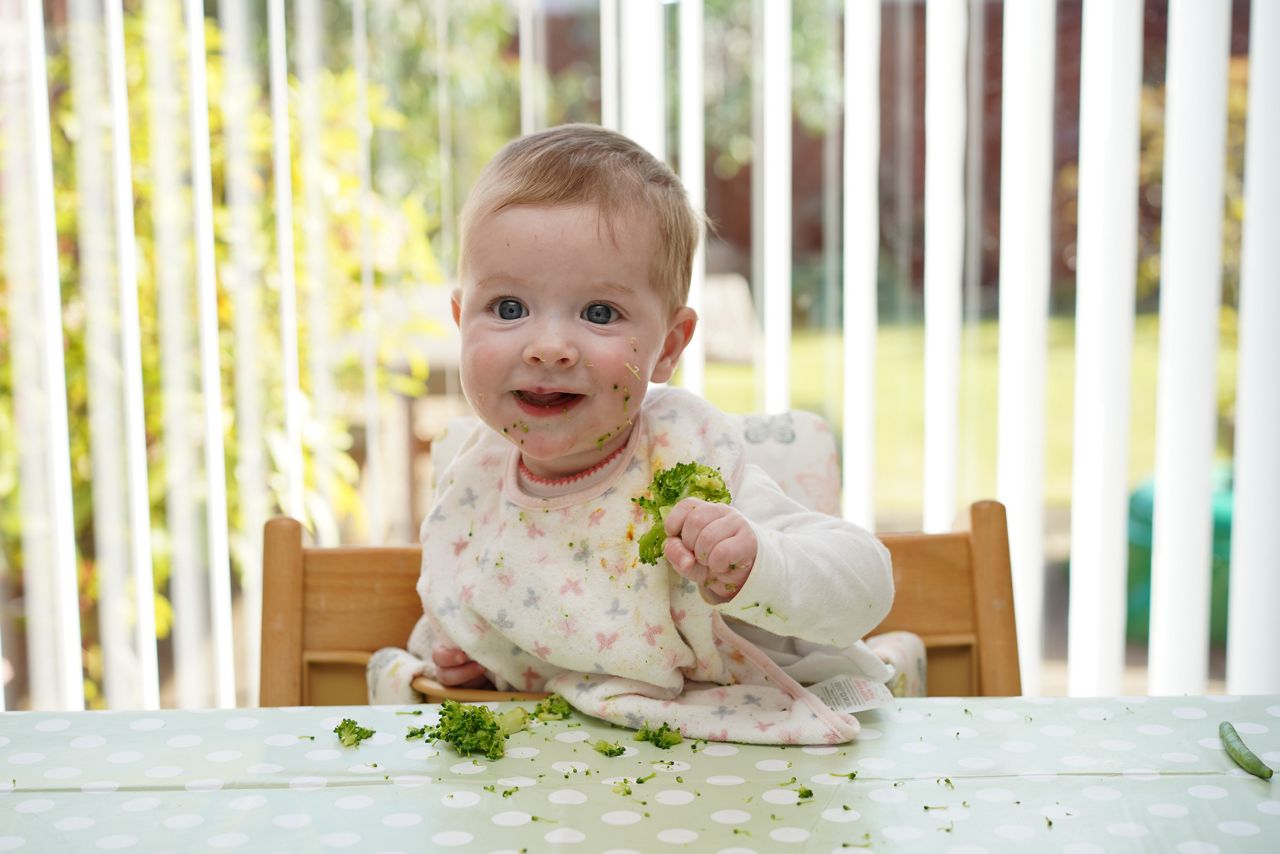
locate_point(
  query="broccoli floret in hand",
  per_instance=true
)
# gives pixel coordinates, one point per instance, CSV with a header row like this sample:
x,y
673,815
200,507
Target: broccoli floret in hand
x,y
668,488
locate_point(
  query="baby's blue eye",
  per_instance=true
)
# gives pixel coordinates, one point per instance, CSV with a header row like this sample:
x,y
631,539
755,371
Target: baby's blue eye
x,y
510,309
598,312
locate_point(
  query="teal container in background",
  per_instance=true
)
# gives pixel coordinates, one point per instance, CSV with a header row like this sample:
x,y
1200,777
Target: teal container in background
x,y
1141,514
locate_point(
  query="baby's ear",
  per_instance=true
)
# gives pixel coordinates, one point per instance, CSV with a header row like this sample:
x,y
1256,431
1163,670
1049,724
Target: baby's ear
x,y
455,303
679,332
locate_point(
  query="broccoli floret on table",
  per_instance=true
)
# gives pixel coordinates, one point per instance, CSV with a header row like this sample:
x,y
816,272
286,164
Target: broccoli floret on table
x,y
351,733
663,736
474,729
554,708
667,489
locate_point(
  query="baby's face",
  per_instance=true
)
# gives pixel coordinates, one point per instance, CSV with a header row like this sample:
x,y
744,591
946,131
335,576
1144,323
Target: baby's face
x,y
562,330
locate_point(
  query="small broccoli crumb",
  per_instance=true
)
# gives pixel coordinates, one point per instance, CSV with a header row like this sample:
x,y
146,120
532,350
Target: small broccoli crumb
x,y
351,733
609,749
664,736
804,792
553,708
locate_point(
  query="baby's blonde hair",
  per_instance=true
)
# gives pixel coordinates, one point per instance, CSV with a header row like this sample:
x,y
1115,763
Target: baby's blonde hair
x,y
577,164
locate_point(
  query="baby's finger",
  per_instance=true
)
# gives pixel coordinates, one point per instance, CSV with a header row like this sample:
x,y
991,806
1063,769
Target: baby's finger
x,y
711,536
682,560
469,675
445,655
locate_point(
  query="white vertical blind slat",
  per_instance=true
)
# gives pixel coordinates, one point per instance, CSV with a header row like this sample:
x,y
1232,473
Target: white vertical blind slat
x,y
773,158
693,174
1026,180
373,487
861,255
11,58
444,114
282,157
642,80
946,37
1106,267
528,67
610,114
210,363
1186,392
138,494
1255,538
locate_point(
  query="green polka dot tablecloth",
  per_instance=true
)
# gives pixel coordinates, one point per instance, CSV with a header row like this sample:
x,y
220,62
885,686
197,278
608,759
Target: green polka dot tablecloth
x,y
958,775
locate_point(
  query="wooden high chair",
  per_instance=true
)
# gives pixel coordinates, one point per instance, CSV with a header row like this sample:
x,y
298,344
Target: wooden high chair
x,y
326,610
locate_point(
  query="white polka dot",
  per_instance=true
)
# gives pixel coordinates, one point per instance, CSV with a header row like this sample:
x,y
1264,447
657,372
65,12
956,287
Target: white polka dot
x,y
9,843
307,784
725,780
781,796
292,820
35,805
62,773
888,796
402,819
1154,729
976,763
53,725
572,736
74,822
124,757
918,747
1269,807
4,741
1014,831
518,782
1101,793
1239,828
773,765
240,724
452,838
460,799
1127,829
674,797
840,815
116,842
570,767
719,749
995,795
322,755
147,724
1168,810
564,836
730,816
265,768
1222,698
621,817
354,802
899,833
876,763
1272,756
1179,757
677,836
949,814
1000,715
1017,746
180,741
1093,713
183,821
100,787
26,758
905,716
1057,731
816,751
670,766
789,834
512,818
829,779
1274,711
1117,744
571,797
211,784
341,839
283,739
868,734
228,840
140,804
1189,713
1197,847
247,802
1207,793
410,781
88,742
1214,743
1249,728
471,767
962,732
520,752
418,753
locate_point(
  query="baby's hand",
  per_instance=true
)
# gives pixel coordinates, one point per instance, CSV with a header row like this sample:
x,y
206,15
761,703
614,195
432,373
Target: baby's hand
x,y
712,545
455,670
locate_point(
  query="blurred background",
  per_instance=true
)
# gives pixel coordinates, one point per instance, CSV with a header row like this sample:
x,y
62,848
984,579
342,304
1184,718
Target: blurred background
x,y
229,236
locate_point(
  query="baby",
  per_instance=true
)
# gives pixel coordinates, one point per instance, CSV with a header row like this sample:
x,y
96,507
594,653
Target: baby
x,y
574,269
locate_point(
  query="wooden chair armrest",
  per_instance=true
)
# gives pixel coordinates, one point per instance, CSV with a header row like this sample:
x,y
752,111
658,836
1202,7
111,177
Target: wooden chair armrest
x,y
435,692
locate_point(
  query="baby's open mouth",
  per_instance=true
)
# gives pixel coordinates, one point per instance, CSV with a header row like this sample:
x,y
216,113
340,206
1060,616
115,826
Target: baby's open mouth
x,y
557,400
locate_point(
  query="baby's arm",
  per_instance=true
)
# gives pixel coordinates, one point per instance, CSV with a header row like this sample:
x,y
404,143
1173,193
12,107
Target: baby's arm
x,y
815,577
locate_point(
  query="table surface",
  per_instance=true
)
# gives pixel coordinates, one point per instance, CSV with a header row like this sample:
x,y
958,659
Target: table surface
x,y
965,775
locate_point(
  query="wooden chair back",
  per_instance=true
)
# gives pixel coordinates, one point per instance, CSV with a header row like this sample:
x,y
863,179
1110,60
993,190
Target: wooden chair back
x,y
326,610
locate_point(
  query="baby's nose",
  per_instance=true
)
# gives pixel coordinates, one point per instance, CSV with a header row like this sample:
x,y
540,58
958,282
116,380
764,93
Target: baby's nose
x,y
552,346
